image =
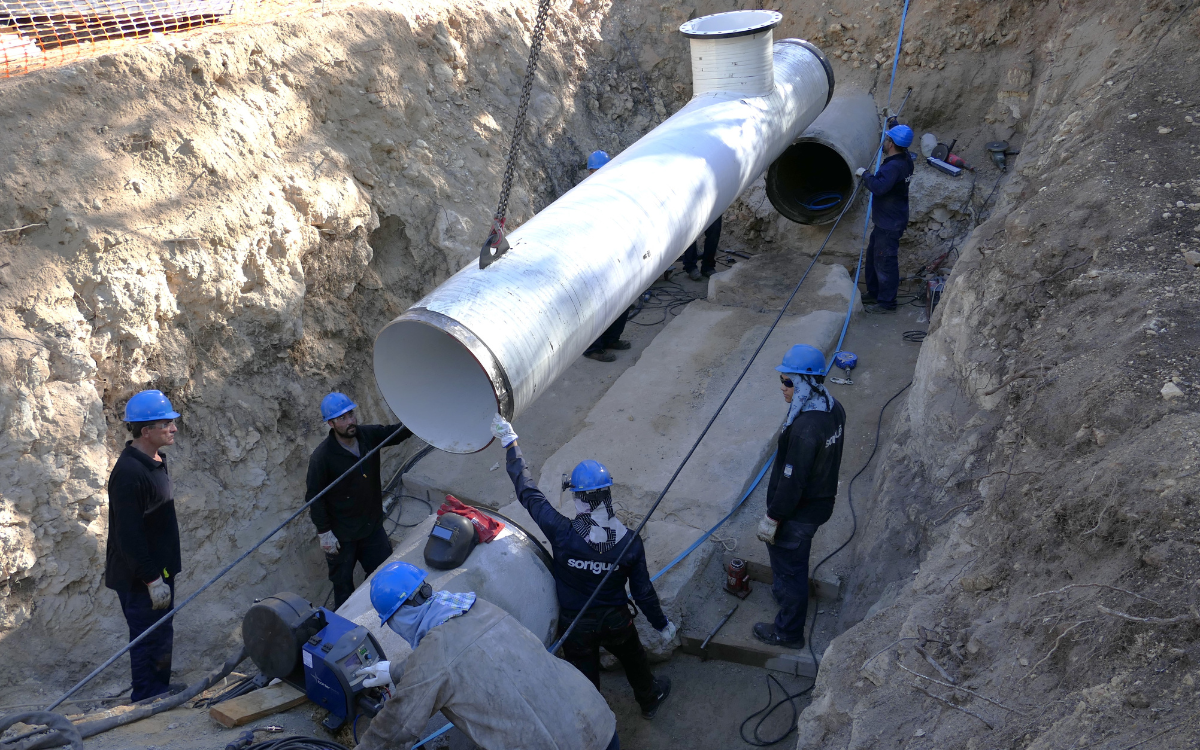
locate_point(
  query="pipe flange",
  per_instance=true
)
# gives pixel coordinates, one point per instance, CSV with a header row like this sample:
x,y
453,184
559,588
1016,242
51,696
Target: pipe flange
x,y
731,24
820,56
479,350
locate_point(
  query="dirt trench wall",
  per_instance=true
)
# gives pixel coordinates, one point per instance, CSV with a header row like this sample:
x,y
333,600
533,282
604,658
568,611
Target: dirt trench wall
x,y
231,218
1027,559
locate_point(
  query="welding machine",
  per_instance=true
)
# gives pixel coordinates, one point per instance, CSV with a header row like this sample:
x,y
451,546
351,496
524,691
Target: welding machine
x,y
315,650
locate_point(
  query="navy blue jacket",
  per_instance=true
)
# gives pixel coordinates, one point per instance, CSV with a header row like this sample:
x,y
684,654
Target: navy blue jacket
x,y
577,567
804,477
143,533
890,188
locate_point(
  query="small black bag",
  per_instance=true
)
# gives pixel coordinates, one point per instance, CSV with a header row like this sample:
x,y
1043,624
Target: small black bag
x,y
450,541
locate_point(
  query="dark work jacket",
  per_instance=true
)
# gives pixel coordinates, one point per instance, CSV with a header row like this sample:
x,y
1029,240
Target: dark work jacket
x,y
890,187
354,508
804,475
143,533
577,567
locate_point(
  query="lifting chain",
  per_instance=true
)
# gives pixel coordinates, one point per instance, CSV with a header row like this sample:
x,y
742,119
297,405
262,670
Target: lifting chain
x,y
496,245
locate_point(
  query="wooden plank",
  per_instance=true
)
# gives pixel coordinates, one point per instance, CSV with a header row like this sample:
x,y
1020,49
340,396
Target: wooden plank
x,y
794,662
244,709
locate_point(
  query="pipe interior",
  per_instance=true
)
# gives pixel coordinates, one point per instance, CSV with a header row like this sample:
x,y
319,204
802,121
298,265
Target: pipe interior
x,y
809,183
436,386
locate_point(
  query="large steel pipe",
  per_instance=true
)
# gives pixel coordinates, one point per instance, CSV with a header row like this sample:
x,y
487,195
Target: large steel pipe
x,y
494,339
811,180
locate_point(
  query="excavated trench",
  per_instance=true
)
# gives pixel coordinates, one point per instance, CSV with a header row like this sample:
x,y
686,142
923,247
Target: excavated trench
x,y
231,217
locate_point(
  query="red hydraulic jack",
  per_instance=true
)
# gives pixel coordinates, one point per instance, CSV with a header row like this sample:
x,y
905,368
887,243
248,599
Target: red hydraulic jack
x,y
737,578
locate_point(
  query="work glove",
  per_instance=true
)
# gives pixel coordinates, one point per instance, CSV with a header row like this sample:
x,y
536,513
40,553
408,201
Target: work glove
x,y
860,171
503,431
767,528
668,633
329,543
378,674
160,593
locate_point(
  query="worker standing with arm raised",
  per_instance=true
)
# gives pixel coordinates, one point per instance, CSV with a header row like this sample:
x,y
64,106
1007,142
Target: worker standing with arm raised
x,y
890,213
482,669
142,550
803,486
585,548
349,519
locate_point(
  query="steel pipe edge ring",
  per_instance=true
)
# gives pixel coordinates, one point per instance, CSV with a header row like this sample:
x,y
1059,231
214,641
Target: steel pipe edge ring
x,y
479,350
820,56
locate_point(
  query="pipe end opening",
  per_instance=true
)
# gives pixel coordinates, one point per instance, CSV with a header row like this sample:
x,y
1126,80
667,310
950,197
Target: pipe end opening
x,y
809,183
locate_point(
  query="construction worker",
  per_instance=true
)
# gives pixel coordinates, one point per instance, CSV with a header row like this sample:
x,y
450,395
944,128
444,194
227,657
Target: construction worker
x,y
708,261
611,338
585,548
349,519
800,495
482,669
142,550
890,212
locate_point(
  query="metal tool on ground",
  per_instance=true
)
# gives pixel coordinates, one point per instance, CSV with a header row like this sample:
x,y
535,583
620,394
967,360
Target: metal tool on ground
x,y
737,579
934,286
998,150
713,632
942,166
314,650
845,361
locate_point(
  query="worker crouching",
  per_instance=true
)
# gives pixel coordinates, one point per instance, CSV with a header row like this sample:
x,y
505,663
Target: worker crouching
x,y
474,662
802,489
585,548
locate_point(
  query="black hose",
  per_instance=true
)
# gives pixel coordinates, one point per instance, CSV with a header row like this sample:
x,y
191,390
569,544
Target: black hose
x,y
92,728
298,743
789,698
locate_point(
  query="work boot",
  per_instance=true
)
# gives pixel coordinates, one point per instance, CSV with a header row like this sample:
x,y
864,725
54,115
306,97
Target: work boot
x,y
695,274
879,309
620,346
765,632
662,688
600,355
869,299
708,272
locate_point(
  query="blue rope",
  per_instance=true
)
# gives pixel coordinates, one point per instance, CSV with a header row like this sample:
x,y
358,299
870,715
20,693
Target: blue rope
x,y
896,57
823,201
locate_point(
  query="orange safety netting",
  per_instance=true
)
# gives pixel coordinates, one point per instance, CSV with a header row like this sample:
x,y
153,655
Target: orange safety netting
x,y
44,33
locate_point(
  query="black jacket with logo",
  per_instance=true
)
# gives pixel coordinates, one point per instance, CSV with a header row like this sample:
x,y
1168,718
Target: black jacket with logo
x,y
804,476
354,508
143,533
577,567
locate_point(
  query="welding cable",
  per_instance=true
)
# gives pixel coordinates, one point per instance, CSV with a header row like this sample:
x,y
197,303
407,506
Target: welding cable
x,y
766,711
168,616
298,743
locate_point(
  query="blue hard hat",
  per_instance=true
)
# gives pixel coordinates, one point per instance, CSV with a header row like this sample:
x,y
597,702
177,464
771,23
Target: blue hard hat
x,y
597,159
803,359
901,135
149,406
335,405
590,475
845,360
392,585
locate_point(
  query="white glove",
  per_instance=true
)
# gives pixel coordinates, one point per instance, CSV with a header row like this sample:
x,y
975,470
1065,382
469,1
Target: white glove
x,y
503,431
860,171
329,543
160,594
378,674
767,528
668,633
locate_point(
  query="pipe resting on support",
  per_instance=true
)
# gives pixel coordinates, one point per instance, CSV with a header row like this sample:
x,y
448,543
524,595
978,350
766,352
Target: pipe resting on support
x,y
493,340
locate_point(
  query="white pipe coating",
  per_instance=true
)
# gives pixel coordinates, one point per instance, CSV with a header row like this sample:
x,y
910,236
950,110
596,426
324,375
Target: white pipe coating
x,y
732,52
492,340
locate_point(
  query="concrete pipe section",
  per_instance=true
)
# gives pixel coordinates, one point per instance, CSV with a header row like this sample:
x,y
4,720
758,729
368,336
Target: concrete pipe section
x,y
813,178
511,571
493,339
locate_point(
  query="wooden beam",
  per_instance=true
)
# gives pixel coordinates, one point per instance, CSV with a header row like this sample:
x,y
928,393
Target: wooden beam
x,y
266,701
795,662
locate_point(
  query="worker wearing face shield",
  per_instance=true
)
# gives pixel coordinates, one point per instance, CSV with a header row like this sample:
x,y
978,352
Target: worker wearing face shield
x,y
479,666
802,488
585,548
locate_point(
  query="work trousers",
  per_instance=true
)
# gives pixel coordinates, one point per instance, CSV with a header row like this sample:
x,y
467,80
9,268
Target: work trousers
x,y
708,261
611,335
612,628
789,570
883,265
371,551
150,660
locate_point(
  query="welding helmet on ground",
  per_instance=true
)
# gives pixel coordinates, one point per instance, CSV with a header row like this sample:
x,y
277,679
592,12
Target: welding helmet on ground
x,y
589,475
450,541
803,359
901,135
392,585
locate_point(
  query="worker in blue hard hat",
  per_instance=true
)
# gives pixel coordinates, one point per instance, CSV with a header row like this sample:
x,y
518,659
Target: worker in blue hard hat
x,y
585,548
482,669
708,259
611,338
141,559
349,518
595,160
802,488
889,186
